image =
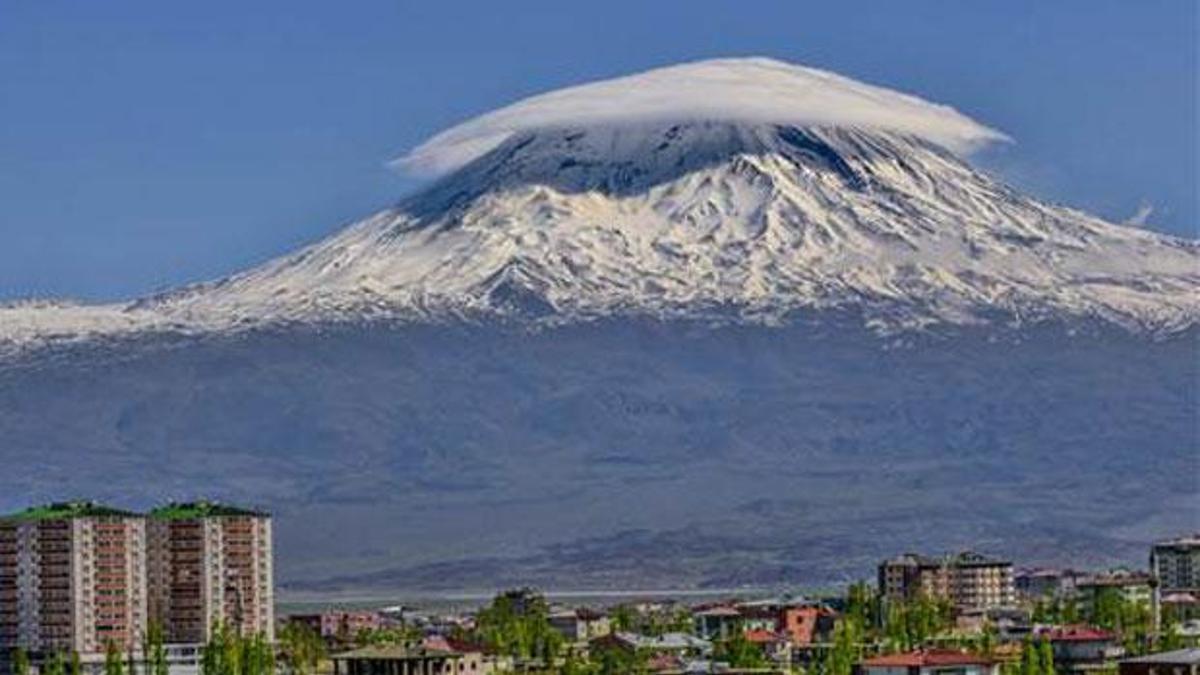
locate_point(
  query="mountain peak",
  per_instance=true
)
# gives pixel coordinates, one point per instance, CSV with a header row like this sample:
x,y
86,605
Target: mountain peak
x,y
755,220
740,90
733,219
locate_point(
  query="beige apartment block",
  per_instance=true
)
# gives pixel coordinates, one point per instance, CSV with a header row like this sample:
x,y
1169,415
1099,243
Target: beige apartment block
x,y
210,563
72,579
968,580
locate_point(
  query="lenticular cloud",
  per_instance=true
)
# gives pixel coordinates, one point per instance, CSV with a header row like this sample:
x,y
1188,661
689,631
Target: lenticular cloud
x,y
753,90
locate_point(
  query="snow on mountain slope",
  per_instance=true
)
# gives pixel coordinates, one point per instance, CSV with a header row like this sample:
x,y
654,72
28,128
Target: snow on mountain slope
x,y
564,209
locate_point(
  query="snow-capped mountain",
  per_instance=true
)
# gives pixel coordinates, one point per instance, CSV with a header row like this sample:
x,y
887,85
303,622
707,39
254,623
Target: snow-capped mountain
x,y
708,255
634,197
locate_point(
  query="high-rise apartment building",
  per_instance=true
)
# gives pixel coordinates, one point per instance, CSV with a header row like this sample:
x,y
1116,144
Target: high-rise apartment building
x,y
72,579
968,580
210,563
1175,563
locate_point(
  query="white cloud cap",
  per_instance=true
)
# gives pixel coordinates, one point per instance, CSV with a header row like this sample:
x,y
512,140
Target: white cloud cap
x,y
753,90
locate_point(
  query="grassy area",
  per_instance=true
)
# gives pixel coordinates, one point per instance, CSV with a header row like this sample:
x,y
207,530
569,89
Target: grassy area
x,y
66,510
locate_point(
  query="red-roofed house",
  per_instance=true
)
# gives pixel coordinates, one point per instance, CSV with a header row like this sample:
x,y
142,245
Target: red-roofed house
x,y
774,645
1081,645
929,662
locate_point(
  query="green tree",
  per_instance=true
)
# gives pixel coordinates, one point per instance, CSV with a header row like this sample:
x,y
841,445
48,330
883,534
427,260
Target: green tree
x,y
112,659
1170,639
846,648
154,652
76,664
1030,664
862,603
1045,657
908,625
55,665
739,652
623,618
20,662
611,660
301,648
517,623
228,652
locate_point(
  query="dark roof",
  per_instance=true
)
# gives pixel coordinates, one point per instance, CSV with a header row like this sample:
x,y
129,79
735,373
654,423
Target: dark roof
x,y
1078,634
1179,656
68,510
589,614
396,653
202,509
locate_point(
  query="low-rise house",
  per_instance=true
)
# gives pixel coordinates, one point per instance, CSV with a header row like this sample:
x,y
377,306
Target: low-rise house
x,y
581,624
1082,647
1033,584
774,646
1178,662
929,662
398,660
1181,606
476,659
1009,623
338,624
802,621
1132,586
717,621
681,644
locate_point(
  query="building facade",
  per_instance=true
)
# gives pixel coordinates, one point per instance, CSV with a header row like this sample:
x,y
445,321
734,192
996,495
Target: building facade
x,y
1130,586
970,581
210,564
72,579
338,625
1176,564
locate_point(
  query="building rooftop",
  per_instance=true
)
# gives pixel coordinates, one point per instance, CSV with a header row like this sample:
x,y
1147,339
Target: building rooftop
x,y
1077,634
961,559
68,510
1179,656
1116,578
927,657
719,610
396,653
201,509
664,642
1186,540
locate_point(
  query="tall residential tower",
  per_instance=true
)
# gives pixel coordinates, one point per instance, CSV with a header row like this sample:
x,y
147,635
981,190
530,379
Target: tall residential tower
x,y
72,579
210,563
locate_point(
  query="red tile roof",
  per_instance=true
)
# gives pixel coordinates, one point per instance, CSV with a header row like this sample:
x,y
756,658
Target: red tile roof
x,y
927,657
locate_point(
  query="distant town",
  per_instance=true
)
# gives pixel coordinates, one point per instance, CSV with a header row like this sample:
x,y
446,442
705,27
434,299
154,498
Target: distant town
x,y
188,589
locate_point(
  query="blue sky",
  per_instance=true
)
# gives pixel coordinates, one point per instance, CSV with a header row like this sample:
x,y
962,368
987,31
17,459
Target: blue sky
x,y
146,144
